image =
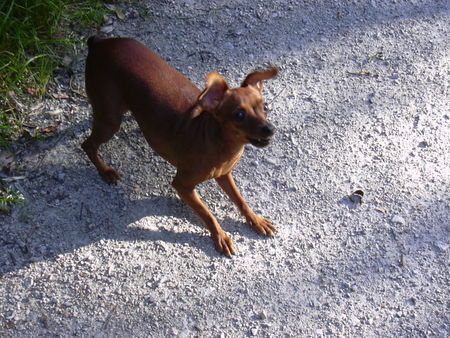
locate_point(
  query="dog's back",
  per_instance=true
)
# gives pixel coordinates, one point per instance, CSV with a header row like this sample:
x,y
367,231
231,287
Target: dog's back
x,y
122,74
135,68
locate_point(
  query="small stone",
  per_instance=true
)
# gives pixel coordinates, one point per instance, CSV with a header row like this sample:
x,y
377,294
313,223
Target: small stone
x,y
262,315
60,177
55,112
67,60
442,246
254,331
132,13
228,45
423,144
107,20
294,140
270,160
183,334
28,282
107,29
355,320
378,129
398,219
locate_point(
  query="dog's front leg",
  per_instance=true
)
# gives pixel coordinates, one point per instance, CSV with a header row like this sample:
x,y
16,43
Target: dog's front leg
x,y
259,224
188,195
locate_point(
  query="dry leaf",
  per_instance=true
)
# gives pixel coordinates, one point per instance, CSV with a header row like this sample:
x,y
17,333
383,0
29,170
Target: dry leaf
x,y
383,210
356,196
120,14
111,7
32,91
61,96
118,11
48,130
6,158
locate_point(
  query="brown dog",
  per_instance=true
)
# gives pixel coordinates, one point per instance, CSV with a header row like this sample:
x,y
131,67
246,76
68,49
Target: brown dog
x,y
201,133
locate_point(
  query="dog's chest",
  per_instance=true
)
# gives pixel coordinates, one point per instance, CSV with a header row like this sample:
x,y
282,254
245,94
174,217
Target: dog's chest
x,y
224,165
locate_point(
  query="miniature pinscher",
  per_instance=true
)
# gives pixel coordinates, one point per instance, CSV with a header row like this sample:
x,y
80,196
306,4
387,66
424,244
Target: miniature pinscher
x,y
201,133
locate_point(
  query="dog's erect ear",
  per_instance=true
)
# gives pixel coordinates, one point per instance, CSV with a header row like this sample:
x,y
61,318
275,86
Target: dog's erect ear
x,y
255,79
215,89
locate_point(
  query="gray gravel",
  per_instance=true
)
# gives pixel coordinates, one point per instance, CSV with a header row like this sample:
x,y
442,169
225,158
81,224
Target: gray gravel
x,y
363,105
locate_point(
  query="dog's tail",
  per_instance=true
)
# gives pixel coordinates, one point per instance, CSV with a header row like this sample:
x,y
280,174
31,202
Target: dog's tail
x,y
93,40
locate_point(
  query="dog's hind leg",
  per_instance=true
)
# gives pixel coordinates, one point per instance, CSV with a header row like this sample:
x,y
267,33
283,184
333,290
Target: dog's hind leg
x,y
105,124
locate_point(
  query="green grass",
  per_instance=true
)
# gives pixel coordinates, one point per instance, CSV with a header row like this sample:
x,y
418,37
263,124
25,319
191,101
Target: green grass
x,y
8,198
34,34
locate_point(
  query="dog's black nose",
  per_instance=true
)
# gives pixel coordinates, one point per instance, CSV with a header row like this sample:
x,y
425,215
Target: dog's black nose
x,y
267,130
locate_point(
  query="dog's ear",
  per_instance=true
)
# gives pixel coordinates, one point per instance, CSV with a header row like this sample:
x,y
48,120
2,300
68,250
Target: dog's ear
x,y
215,89
255,79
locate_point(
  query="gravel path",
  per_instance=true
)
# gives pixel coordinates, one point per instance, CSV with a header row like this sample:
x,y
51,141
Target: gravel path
x,y
362,105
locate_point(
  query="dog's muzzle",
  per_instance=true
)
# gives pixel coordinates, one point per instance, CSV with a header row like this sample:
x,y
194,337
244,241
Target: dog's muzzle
x,y
266,133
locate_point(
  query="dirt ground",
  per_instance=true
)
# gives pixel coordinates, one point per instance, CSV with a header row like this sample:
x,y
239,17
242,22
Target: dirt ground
x,y
361,103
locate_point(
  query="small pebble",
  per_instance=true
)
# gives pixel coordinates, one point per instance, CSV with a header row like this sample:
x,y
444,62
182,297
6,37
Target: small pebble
x,y
28,282
355,320
398,219
67,60
55,112
60,177
262,315
442,246
107,29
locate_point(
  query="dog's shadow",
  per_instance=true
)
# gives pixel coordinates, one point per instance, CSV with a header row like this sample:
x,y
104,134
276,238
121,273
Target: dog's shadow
x,y
99,211
78,212
163,218
61,231
168,220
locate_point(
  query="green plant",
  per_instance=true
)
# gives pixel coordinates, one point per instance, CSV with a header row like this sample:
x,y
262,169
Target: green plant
x,y
87,12
34,35
8,197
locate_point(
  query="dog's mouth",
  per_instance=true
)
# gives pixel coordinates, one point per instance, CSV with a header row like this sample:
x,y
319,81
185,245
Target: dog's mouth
x,y
260,142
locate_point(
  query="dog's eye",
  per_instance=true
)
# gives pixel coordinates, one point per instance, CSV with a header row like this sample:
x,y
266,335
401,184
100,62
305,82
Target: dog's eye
x,y
240,115
265,107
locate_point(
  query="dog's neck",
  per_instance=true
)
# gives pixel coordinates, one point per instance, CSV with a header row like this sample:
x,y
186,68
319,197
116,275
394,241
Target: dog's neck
x,y
212,131
204,133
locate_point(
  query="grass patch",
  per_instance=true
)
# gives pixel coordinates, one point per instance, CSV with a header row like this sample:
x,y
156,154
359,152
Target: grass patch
x,y
34,35
8,198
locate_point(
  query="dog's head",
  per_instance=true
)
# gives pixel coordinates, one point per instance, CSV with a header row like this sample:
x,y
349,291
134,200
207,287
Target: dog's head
x,y
242,111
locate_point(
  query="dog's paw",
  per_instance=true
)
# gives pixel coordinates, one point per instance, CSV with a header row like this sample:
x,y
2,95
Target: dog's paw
x,y
261,225
224,244
111,175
